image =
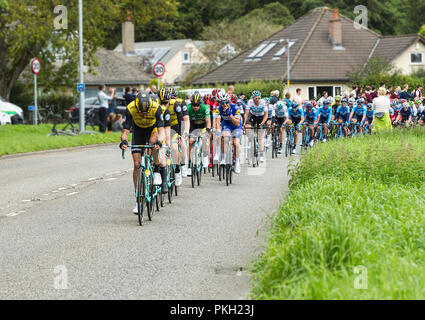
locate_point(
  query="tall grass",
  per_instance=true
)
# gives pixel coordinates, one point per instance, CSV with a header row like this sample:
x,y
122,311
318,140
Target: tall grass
x,y
353,202
27,138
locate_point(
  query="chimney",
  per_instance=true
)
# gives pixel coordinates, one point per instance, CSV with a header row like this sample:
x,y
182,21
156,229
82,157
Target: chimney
x,y
335,29
128,37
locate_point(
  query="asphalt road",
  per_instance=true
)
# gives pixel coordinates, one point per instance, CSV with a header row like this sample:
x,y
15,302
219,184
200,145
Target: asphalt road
x,y
67,230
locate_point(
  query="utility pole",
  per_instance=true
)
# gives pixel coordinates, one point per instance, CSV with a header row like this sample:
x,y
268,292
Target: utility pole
x,y
80,69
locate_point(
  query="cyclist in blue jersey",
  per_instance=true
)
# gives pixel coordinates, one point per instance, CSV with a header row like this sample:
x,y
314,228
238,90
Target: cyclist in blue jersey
x,y
343,115
296,117
421,117
310,121
229,116
370,116
358,114
325,116
405,114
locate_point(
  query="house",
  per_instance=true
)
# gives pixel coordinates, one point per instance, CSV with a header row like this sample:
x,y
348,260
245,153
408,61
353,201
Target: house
x,y
176,55
324,47
115,70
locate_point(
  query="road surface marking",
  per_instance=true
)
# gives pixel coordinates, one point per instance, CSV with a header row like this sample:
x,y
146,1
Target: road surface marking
x,y
72,193
110,179
13,214
62,188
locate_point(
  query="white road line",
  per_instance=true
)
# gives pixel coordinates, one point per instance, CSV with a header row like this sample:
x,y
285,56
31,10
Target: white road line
x,y
72,193
55,191
91,179
26,200
62,188
13,214
110,179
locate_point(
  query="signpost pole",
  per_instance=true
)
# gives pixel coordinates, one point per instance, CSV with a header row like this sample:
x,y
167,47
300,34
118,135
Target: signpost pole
x,y
35,120
80,32
159,83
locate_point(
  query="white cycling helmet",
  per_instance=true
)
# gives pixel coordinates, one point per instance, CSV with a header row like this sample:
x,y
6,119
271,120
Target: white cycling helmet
x,y
223,97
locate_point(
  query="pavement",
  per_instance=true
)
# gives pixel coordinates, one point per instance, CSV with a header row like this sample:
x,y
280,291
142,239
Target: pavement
x,y
67,230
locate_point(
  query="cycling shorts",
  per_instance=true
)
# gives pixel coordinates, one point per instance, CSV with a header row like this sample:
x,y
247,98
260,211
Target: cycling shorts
x,y
323,120
141,136
254,120
235,132
279,121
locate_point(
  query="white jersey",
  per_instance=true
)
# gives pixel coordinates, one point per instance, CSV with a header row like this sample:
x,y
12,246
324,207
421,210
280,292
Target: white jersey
x,y
280,109
256,110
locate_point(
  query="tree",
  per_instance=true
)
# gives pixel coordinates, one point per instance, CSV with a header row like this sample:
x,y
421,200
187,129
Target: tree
x,y
376,68
27,30
422,30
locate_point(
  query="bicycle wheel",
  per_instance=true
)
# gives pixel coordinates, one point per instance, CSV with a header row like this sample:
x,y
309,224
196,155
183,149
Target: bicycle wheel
x,y
150,189
220,170
140,189
172,184
157,200
198,176
193,169
213,170
231,174
227,175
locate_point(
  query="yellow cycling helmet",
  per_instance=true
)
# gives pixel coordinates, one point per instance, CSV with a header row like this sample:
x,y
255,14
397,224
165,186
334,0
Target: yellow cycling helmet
x,y
164,95
143,102
196,98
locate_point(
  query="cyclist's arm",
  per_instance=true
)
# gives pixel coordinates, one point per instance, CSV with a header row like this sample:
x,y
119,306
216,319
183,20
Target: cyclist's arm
x,y
236,119
266,113
126,125
160,124
186,119
208,122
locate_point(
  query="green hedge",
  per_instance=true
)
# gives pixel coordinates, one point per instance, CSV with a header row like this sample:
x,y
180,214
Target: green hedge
x,y
354,204
59,101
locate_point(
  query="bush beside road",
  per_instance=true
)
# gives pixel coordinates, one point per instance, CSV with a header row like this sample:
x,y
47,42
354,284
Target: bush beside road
x,y
352,226
29,138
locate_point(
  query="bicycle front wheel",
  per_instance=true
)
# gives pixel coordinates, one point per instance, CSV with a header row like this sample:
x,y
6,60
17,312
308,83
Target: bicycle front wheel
x,y
140,189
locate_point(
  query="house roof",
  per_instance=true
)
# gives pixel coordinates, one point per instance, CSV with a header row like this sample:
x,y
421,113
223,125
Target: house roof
x,y
162,51
116,69
312,56
391,47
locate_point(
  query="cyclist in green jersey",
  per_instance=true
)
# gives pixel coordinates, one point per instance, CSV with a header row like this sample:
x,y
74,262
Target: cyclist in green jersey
x,y
200,121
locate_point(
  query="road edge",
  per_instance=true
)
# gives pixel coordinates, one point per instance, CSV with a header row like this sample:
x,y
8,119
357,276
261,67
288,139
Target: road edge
x,y
26,154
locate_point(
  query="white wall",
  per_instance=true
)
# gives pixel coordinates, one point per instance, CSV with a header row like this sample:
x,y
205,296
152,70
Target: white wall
x,y
403,61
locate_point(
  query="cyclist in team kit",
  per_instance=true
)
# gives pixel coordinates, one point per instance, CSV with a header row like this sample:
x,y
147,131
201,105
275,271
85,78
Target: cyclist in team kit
x,y
200,121
229,117
358,114
324,117
256,114
405,114
281,114
145,117
295,117
310,120
343,115
164,97
370,117
178,113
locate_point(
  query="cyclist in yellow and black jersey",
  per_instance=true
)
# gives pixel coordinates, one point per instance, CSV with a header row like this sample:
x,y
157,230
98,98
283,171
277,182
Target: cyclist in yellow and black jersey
x,y
178,113
144,117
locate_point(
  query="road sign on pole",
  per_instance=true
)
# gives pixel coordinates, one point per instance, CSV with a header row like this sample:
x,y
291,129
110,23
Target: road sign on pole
x,y
35,69
159,69
81,87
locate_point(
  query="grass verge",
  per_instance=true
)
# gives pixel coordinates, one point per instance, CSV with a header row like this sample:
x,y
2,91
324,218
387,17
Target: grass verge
x,y
354,218
28,138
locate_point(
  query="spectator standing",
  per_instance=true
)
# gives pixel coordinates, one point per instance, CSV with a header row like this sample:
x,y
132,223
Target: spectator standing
x,y
325,96
231,90
368,95
187,101
353,93
112,103
153,89
390,88
298,97
128,96
373,93
405,94
417,93
381,105
117,126
103,109
396,93
134,93
288,101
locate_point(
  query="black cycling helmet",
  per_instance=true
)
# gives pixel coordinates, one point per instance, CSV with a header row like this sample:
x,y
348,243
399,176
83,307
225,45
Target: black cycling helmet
x,y
143,102
164,95
196,98
309,106
369,105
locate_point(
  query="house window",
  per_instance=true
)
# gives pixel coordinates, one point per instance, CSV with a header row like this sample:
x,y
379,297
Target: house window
x,y
338,91
311,93
416,58
186,57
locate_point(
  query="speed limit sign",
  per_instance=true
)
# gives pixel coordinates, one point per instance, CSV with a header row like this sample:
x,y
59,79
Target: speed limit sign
x,y
158,69
35,66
